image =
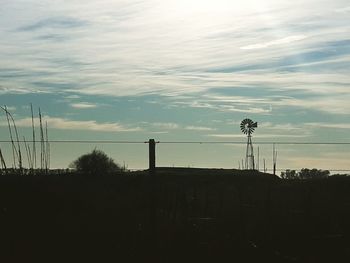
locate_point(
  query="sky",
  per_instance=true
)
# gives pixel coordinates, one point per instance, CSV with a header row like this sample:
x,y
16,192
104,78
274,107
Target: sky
x,y
180,70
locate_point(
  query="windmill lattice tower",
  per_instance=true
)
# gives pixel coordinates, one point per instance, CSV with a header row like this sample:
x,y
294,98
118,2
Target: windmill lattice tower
x,y
248,127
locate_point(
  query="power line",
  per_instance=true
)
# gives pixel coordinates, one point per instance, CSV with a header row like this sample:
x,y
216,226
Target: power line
x,y
236,142
267,169
185,142
87,141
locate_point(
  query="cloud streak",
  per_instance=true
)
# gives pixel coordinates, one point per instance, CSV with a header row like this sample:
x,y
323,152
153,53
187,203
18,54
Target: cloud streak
x,y
54,23
199,128
67,124
176,126
260,136
83,105
328,125
282,41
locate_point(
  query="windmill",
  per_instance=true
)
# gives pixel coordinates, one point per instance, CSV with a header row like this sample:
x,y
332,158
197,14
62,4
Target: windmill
x,y
248,127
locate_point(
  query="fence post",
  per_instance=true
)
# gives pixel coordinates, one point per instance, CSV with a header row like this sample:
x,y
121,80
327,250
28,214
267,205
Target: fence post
x,y
153,197
152,156
274,159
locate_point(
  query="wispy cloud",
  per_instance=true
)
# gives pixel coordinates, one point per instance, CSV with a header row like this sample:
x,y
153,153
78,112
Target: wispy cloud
x,y
54,23
16,89
328,125
11,108
67,124
272,136
83,105
251,109
345,9
176,126
166,125
280,127
316,100
281,41
159,132
199,128
72,97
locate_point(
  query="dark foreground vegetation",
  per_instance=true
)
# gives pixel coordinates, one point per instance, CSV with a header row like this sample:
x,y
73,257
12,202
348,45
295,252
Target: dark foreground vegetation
x,y
182,215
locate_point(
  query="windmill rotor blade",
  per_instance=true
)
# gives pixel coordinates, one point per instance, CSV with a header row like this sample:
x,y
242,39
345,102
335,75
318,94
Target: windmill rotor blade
x,y
248,126
244,122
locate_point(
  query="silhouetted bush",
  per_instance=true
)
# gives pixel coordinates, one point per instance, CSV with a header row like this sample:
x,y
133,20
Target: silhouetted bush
x,y
289,174
96,163
313,173
305,174
340,175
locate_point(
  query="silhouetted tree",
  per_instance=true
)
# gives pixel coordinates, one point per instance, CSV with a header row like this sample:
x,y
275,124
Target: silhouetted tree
x,y
96,163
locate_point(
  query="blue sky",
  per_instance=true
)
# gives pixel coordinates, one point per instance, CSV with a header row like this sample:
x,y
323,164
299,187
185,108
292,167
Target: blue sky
x,y
180,70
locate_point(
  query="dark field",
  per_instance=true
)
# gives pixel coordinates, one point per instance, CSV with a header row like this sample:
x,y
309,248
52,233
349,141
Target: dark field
x,y
182,215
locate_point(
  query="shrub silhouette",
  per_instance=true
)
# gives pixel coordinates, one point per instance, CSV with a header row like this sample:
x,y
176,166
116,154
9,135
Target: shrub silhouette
x,y
96,163
290,174
305,174
313,173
